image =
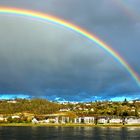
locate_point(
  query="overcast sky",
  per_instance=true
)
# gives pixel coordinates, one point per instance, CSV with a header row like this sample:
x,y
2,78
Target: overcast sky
x,y
44,60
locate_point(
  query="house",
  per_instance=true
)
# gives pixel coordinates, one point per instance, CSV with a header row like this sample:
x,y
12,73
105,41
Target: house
x,y
15,117
35,121
103,120
65,119
88,104
130,102
80,108
12,101
92,109
132,120
77,120
87,120
2,118
56,119
133,109
115,120
64,110
52,120
137,101
85,109
62,117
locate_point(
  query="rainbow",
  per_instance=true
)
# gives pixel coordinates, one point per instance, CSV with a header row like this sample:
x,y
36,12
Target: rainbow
x,y
127,9
55,20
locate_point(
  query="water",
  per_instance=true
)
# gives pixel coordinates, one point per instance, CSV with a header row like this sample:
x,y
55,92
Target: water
x,y
68,133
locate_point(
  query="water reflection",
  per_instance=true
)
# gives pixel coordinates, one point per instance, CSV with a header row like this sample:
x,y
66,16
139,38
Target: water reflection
x,y
69,133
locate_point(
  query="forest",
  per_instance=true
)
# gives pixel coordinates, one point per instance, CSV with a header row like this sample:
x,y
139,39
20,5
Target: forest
x,y
97,108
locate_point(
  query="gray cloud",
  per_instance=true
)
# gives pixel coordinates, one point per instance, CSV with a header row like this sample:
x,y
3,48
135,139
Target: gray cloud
x,y
44,59
107,19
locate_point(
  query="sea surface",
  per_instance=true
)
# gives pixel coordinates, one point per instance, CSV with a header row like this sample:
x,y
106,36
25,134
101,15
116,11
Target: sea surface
x,y
69,133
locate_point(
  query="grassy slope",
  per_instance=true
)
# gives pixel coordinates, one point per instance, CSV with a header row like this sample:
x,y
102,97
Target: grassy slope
x,y
68,125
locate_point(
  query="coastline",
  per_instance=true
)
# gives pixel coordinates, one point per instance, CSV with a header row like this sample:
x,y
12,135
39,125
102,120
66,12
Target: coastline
x,y
65,125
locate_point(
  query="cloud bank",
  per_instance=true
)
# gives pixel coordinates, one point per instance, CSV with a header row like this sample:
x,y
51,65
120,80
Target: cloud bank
x,y
46,60
40,59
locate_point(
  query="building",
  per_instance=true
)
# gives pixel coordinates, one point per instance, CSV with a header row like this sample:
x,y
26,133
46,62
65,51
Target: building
x,y
64,110
103,120
115,120
132,120
65,119
12,101
15,117
2,118
87,120
35,121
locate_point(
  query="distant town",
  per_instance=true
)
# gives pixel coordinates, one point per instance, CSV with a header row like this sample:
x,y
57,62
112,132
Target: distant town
x,y
42,111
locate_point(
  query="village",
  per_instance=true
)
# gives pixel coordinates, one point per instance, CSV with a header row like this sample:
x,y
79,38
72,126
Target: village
x,y
60,119
73,113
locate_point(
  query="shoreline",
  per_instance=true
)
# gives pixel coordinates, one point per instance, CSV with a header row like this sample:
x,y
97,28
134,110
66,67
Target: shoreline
x,y
65,125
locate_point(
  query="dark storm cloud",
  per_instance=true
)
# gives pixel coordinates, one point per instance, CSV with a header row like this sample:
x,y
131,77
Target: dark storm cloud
x,y
105,18
65,70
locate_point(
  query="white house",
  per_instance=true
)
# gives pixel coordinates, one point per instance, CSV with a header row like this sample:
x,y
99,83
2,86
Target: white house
x,y
12,101
80,108
92,109
85,109
88,104
53,120
130,102
65,119
132,120
64,110
115,120
35,121
15,117
87,120
137,101
3,118
102,120
56,119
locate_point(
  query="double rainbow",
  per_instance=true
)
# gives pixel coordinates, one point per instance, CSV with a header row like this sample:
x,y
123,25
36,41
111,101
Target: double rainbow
x,y
127,9
55,20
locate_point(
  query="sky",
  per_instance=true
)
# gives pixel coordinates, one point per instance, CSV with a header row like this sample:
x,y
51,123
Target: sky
x,y
40,59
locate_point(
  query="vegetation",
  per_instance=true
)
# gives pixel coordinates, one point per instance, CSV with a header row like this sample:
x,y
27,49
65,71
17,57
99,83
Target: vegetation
x,y
34,106
107,108
67,125
40,107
